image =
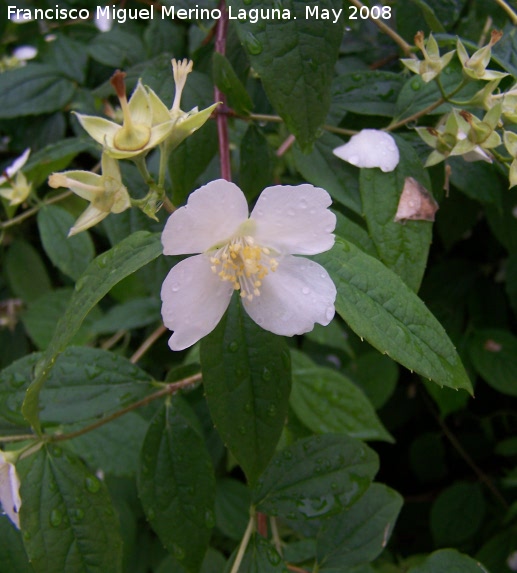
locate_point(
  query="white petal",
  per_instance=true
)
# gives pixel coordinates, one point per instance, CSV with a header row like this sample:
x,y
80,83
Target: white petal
x,y
9,492
297,295
194,300
25,52
15,166
370,148
212,214
294,220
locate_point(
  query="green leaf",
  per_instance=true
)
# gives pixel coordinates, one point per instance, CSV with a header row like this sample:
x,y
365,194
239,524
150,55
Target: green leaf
x,y
430,17
247,379
56,157
402,246
70,255
315,477
416,95
457,513
256,167
176,483
190,160
116,48
32,90
232,508
227,81
27,286
67,518
68,56
367,93
113,448
295,60
326,402
494,356
448,560
12,552
360,534
41,318
376,375
102,274
502,221
322,168
379,307
134,313
478,180
497,551
260,557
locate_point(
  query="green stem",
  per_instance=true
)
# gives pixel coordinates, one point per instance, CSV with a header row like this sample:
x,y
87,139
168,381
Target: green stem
x,y
244,543
141,165
30,212
168,390
404,46
508,10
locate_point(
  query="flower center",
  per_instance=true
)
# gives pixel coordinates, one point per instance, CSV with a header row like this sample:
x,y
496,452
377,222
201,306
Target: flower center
x,y
244,264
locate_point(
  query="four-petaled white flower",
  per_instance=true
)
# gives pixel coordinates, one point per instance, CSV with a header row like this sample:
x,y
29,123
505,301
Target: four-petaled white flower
x,y
370,148
253,254
10,487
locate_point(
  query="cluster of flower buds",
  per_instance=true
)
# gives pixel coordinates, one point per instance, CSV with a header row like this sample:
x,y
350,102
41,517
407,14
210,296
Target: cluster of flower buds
x,y
147,123
460,132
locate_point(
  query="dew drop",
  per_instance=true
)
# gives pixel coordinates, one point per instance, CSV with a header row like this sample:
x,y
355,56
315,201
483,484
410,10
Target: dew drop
x,y
79,514
247,407
93,485
252,44
178,552
273,556
175,287
271,410
306,290
266,374
303,203
56,518
17,380
415,85
233,346
209,518
242,430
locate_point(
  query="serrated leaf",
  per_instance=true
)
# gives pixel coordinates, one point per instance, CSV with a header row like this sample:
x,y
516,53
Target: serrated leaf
x,y
176,483
367,93
360,534
247,379
260,557
457,514
32,90
494,356
67,519
401,246
381,308
102,274
315,477
85,384
449,560
328,402
70,255
227,81
28,286
295,60
323,169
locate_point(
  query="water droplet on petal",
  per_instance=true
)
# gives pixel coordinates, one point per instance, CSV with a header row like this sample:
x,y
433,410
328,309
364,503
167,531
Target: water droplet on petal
x,y
306,290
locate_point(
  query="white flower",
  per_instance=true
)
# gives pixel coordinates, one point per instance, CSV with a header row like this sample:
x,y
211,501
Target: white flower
x,y
25,52
282,293
9,488
370,148
13,184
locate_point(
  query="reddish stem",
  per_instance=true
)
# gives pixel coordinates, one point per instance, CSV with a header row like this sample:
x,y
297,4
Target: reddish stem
x,y
222,121
262,524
